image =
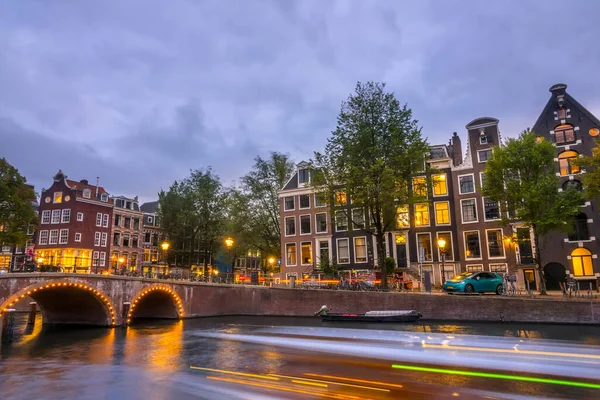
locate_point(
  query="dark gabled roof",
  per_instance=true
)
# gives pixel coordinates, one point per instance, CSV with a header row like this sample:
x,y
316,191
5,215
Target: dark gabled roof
x,y
292,183
149,207
481,121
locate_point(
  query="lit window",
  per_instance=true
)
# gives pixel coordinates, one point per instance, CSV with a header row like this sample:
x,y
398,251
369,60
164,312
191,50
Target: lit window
x,y
422,214
564,134
440,187
442,213
290,251
58,197
306,248
360,249
566,163
340,197
582,262
402,218
594,132
420,186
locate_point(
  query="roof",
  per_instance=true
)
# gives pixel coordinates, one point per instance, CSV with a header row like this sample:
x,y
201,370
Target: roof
x,y
149,207
80,186
481,121
292,183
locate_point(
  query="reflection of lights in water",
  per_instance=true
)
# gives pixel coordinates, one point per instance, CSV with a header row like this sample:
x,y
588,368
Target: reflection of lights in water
x,y
163,347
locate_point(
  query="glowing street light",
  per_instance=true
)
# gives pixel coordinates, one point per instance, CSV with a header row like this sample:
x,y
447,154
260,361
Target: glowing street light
x,y
165,246
229,242
441,242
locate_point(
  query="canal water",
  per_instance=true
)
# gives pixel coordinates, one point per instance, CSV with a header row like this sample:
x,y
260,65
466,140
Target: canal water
x,y
152,360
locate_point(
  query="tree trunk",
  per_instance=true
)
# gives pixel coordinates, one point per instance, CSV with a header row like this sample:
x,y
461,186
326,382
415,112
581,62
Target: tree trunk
x,y
538,261
381,259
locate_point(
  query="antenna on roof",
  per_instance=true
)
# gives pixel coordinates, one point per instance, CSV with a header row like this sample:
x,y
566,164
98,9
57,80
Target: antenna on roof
x,y
97,183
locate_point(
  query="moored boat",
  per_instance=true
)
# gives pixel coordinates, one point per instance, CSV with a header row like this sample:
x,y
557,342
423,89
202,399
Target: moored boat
x,y
371,316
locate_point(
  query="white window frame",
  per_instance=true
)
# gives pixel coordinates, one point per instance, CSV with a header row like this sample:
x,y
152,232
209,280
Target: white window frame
x,y
466,248
503,257
97,239
102,259
311,251
315,201
481,175
479,157
284,205
433,184
474,265
104,239
79,216
300,223
56,195
87,194
449,250
329,249
426,185
55,217
286,254
354,250
459,186
284,227
351,223
53,236
46,215
60,236
462,217
505,266
417,246
449,213
105,220
98,219
95,258
317,232
347,222
300,204
150,220
426,204
337,248
484,141
65,216
78,237
483,208
104,197
44,238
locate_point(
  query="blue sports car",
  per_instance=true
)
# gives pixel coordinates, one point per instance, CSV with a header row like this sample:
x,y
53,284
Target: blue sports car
x,y
474,282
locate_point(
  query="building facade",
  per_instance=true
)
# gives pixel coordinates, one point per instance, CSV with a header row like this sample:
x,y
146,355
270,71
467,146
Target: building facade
x,y
127,230
75,226
150,242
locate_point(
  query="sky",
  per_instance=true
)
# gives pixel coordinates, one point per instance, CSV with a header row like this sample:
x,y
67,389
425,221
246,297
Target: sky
x,y
138,92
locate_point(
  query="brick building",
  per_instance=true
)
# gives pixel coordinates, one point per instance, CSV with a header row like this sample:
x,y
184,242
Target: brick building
x,y
151,234
127,230
75,226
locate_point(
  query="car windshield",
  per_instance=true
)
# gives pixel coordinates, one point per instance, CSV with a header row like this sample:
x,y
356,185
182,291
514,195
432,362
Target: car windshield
x,y
462,276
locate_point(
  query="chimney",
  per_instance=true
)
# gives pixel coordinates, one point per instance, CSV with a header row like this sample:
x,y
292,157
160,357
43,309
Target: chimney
x,y
97,183
456,150
84,182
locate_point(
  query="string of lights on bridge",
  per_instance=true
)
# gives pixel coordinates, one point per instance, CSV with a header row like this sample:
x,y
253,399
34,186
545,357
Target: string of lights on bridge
x,y
154,289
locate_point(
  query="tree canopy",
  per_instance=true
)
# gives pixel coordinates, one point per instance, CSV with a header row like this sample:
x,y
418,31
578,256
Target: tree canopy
x,y
372,156
16,205
521,176
591,178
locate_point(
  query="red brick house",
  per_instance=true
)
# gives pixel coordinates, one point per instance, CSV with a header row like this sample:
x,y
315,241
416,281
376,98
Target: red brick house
x,y
75,226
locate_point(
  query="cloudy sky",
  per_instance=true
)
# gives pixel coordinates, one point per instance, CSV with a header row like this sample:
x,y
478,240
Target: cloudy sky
x,y
138,92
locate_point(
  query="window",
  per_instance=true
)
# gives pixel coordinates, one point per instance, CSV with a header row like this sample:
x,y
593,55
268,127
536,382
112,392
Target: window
x,y
306,250
485,139
402,217
303,175
290,251
484,155
78,237
491,209
136,223
57,197
97,239
288,203
127,222
290,226
340,197
146,255
102,258
150,220
126,240
442,213
134,241
95,257
495,244
323,250
580,229
472,247
424,242
116,238
573,184
440,186
104,197
466,184
66,216
561,113
422,214
448,272
56,216
118,220
320,200
343,251
582,262
79,216
564,134
341,221
360,249
566,162
99,219
146,237
87,193
43,238
104,239
321,222
64,236
358,218
594,132
305,225
420,186
498,268
448,249
304,201
469,210
46,217
482,178
54,236
474,268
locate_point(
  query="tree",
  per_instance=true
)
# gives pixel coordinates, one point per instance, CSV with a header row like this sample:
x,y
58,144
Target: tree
x,y
192,214
591,178
17,212
521,175
372,155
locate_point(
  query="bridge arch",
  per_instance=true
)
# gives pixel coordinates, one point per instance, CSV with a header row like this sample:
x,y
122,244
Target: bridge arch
x,y
64,302
156,301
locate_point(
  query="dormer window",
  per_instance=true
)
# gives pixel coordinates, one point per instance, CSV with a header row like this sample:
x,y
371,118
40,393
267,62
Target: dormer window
x,y
87,193
104,197
303,176
58,197
485,139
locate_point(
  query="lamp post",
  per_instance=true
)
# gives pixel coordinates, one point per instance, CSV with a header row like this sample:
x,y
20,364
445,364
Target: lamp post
x,y
165,248
40,260
229,244
442,247
121,261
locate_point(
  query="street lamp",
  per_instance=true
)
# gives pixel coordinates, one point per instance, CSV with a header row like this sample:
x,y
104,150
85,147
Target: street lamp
x,y
121,261
40,260
229,244
442,246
